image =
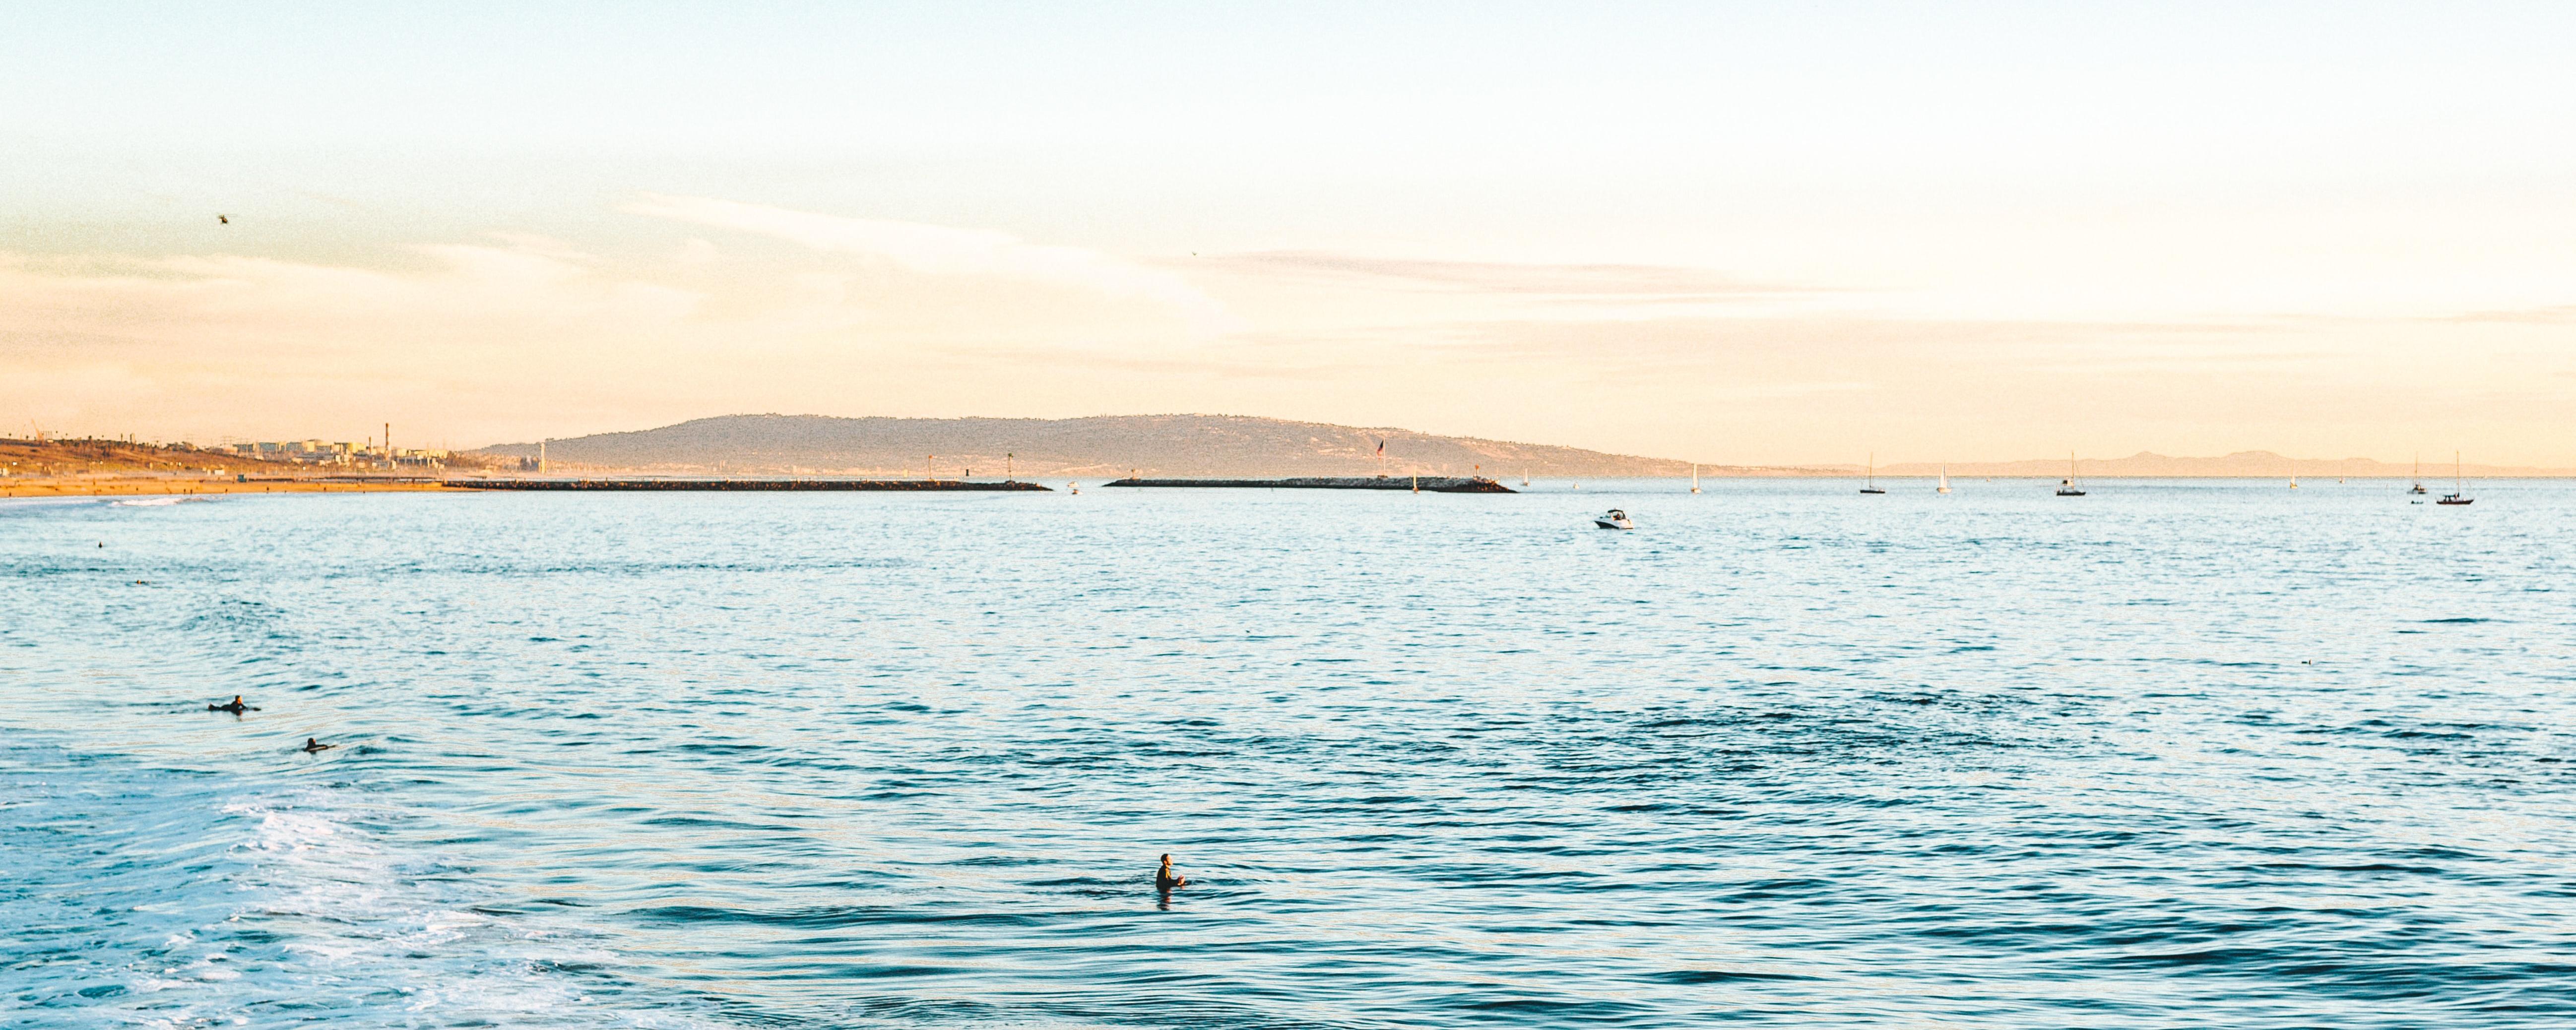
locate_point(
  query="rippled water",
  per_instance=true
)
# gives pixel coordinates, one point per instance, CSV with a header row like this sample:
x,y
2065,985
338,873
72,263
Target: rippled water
x,y
2176,754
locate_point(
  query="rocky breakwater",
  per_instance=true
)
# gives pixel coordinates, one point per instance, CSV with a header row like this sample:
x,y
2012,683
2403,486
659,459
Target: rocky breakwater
x,y
735,484
1435,484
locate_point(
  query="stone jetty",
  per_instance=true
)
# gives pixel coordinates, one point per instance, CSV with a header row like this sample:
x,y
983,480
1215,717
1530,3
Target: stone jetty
x,y
1434,484
915,485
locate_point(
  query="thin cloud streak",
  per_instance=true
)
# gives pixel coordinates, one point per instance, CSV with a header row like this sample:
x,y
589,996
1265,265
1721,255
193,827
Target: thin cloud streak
x,y
2558,314
942,250
1643,282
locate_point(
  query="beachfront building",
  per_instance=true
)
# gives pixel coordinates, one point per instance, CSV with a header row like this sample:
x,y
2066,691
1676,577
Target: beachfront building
x,y
323,452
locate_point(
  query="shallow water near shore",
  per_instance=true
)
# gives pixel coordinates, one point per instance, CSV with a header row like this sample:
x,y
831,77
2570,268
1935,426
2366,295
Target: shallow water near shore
x,y
2176,754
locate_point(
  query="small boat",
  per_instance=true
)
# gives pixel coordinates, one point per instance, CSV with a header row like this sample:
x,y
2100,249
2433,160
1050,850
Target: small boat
x,y
2419,476
1613,519
2066,487
1945,483
2459,487
1869,485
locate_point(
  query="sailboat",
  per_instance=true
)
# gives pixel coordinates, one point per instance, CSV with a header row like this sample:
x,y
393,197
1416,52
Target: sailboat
x,y
2294,481
2066,487
1694,477
1870,485
2459,487
2419,476
1524,477
1945,483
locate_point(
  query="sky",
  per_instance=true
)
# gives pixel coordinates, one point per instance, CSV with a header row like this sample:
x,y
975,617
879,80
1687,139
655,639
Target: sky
x,y
1733,233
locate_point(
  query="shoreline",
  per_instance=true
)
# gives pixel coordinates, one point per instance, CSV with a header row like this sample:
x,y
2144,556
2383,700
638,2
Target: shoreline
x,y
34,486
20,487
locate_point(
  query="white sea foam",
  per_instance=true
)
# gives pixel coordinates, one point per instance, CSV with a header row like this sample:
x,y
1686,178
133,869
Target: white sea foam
x,y
169,900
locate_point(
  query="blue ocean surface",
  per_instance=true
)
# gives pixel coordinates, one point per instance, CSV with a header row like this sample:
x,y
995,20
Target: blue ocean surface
x,y
2175,754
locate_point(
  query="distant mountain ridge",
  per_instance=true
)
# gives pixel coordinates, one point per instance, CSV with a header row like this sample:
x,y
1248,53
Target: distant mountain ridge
x,y
1242,446
2240,465
1229,446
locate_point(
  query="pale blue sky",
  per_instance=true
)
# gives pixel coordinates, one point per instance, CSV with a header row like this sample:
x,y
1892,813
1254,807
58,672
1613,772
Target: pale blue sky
x,y
1978,230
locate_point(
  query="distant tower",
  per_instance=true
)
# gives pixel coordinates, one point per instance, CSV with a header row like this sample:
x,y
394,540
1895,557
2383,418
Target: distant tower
x,y
541,457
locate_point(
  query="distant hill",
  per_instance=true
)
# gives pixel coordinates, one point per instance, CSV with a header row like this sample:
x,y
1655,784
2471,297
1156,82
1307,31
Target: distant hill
x,y
1237,446
1152,445
2242,464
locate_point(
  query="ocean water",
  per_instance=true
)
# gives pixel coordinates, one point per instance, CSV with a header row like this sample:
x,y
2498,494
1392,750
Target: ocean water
x,y
2176,754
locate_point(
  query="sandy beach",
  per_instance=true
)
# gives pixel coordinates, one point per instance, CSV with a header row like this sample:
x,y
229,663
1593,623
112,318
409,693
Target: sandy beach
x,y
85,486
108,468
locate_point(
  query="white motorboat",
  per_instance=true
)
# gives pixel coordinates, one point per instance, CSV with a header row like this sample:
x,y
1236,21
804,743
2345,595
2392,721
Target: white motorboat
x,y
1613,519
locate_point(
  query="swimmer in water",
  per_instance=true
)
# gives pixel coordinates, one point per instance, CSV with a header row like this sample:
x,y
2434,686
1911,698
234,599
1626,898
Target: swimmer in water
x,y
311,745
237,707
1165,879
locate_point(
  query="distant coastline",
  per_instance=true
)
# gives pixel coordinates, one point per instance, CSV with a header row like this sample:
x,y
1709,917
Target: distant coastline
x,y
2240,465
1247,447
1096,449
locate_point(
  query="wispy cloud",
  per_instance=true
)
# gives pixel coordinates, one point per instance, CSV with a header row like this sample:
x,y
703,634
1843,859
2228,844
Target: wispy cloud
x,y
943,250
2560,314
1626,281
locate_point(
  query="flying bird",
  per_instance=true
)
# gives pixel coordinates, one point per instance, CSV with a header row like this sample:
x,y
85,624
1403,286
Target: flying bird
x,y
223,220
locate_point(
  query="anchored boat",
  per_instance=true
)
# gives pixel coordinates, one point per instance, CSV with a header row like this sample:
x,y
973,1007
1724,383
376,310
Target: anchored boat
x,y
2066,487
2459,487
